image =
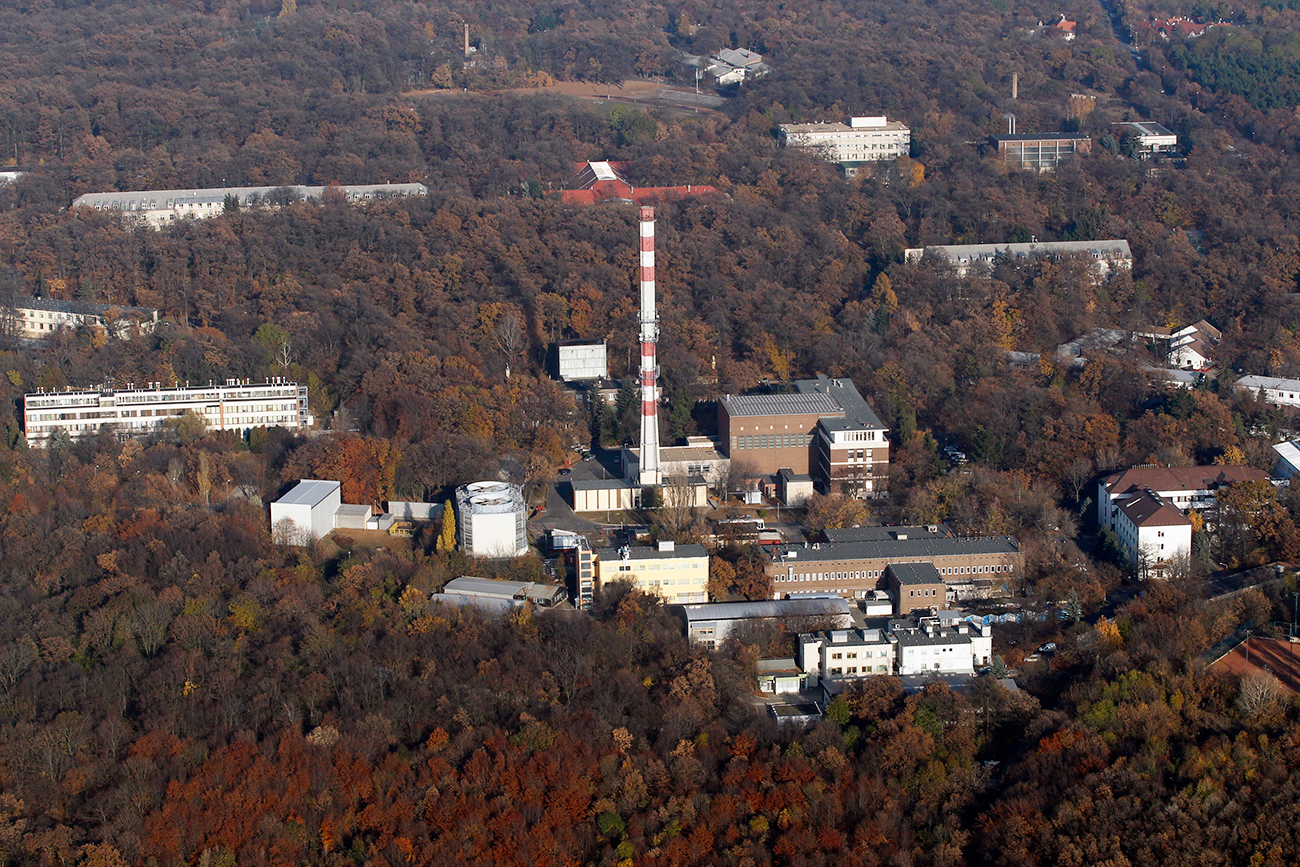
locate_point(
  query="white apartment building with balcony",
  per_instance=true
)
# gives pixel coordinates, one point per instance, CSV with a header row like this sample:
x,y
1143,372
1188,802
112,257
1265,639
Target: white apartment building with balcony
x,y
238,405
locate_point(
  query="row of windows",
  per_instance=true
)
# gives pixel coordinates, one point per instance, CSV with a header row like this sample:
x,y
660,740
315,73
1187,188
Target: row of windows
x,y
923,593
866,669
866,654
773,441
877,573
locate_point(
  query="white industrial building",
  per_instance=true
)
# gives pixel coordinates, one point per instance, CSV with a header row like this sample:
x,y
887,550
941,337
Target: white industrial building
x,y
490,519
1106,255
1288,459
307,511
1151,138
35,318
160,207
860,140
497,595
581,360
237,405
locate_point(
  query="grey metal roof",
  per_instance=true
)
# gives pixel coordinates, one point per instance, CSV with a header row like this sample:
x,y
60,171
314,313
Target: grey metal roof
x,y
1253,381
915,573
348,509
959,252
54,305
213,195
886,534
599,484
309,492
706,611
777,665
642,552
779,404
900,548
857,414
469,585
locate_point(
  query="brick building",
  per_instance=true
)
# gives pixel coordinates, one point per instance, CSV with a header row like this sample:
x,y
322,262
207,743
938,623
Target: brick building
x,y
822,428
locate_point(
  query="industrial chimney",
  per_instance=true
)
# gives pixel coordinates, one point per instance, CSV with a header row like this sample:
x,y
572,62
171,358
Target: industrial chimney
x,y
650,474
467,39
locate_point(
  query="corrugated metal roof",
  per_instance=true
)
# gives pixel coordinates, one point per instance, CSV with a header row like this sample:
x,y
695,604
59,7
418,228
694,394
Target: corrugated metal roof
x,y
309,492
779,404
766,608
899,548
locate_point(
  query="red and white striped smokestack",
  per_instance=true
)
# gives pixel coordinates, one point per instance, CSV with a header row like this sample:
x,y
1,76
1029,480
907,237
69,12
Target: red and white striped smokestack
x,y
650,473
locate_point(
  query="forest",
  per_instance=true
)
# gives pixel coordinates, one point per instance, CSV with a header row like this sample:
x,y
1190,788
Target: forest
x,y
176,688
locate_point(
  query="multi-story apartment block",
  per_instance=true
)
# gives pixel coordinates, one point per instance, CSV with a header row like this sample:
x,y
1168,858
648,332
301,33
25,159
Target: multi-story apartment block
x,y
677,573
160,207
1040,151
968,568
823,428
35,318
237,405
943,644
861,140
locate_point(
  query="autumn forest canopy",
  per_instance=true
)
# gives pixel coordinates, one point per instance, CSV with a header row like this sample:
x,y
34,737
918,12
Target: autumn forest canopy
x,y
176,688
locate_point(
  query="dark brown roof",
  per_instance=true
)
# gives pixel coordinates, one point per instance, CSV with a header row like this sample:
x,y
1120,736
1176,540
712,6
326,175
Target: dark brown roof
x,y
1162,479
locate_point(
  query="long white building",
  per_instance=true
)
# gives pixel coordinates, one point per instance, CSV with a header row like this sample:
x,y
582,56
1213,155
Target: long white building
x,y
161,207
860,140
36,318
1106,255
238,405
1272,389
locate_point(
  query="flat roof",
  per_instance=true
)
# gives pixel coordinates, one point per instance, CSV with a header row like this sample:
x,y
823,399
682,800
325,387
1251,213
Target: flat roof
x,y
643,552
1041,136
218,194
891,548
1146,127
706,611
840,127
57,306
358,511
468,584
886,534
1253,381
739,405
309,492
915,573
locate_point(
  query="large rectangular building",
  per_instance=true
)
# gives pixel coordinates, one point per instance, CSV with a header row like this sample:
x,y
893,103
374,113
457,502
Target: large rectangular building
x,y
968,567
710,623
1040,151
36,318
860,140
677,573
1105,255
822,428
237,405
160,207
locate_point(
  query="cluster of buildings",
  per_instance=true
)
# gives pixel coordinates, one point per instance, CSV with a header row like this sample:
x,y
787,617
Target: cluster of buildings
x,y
941,643
1188,348
1147,508
852,143
158,208
920,567
730,66
238,405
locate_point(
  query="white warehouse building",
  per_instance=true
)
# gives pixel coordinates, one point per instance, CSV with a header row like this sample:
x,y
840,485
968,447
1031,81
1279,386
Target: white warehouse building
x,y
307,511
581,360
237,405
490,519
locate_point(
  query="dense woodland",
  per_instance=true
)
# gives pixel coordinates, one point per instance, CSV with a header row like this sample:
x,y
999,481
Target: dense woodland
x,y
176,688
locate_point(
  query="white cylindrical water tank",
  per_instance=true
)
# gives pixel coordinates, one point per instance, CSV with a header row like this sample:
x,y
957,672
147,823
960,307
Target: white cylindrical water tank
x,y
490,519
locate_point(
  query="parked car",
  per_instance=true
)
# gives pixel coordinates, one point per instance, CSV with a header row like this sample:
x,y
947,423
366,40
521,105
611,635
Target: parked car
x,y
1049,647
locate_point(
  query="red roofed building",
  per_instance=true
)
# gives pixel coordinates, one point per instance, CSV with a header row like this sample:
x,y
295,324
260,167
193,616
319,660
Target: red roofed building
x,y
605,182
1066,27
1146,507
1167,28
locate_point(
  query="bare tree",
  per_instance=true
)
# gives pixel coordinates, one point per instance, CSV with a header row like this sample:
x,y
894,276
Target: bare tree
x,y
510,336
1077,475
1257,695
